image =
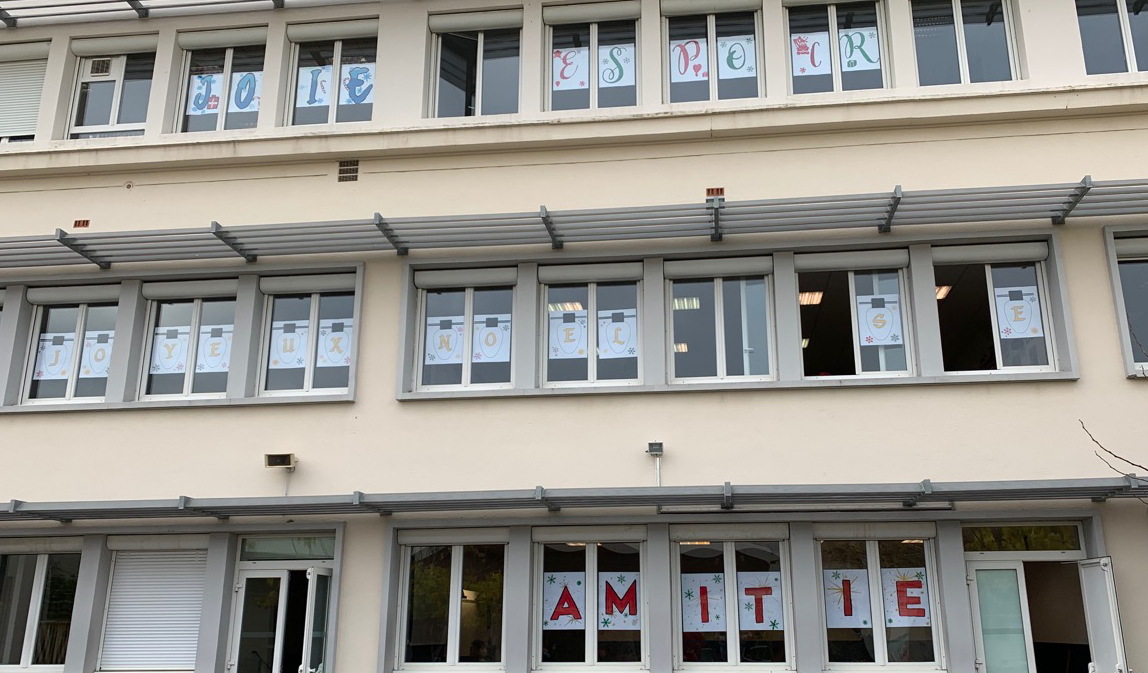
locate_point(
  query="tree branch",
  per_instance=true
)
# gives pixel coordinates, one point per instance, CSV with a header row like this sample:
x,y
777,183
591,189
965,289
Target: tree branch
x,y
1105,450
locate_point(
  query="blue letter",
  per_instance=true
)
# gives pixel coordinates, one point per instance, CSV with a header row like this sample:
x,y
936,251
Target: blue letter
x,y
202,99
245,91
355,82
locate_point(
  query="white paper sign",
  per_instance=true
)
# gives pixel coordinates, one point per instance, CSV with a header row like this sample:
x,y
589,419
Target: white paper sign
x,y
567,335
616,65
214,351
879,320
491,339
619,599
847,599
246,92
737,57
444,342
571,69
357,84
703,602
618,334
1018,312
860,49
97,355
689,60
335,338
759,601
169,349
290,340
906,595
563,601
313,86
54,352
203,94
810,54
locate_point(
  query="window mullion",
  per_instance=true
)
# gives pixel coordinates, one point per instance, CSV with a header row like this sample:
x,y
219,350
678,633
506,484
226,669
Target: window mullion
x,y
853,321
1126,34
834,48
192,344
962,50
719,327
120,74
35,605
591,616
225,94
454,613
77,352
336,80
592,332
467,334
876,603
312,343
733,650
711,54
593,59
992,299
934,606
478,77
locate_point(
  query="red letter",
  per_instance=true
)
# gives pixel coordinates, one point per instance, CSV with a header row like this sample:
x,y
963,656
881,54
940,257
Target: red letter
x,y
566,607
813,62
704,599
847,597
758,594
904,600
629,600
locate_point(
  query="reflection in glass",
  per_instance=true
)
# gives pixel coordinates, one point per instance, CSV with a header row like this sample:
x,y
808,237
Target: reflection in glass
x,y
480,615
500,72
445,337
94,104
986,42
848,626
1002,620
745,308
56,609
1101,36
288,548
565,565
428,605
908,621
1138,23
1021,538
457,74
935,36
256,650
1134,284
136,88
17,573
318,633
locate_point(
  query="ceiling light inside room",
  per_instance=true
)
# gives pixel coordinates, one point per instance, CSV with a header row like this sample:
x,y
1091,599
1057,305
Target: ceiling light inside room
x,y
810,298
943,291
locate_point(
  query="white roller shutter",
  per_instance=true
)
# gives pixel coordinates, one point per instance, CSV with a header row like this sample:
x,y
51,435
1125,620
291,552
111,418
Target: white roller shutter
x,y
153,614
22,83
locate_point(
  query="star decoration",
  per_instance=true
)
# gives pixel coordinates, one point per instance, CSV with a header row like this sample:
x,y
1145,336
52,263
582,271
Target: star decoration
x,y
689,594
621,579
717,579
773,624
836,575
802,71
748,606
606,621
551,579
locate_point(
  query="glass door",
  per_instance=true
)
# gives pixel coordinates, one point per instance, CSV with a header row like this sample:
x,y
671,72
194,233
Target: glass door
x,y
315,629
260,611
1000,617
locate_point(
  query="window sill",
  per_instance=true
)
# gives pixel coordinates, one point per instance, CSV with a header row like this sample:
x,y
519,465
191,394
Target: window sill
x,y
184,403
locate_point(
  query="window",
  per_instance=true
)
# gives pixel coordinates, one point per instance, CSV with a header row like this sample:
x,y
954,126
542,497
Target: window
x,y
22,82
316,90
182,365
731,602
720,328
37,592
454,355
727,40
1134,285
309,344
848,35
852,322
877,602
224,88
580,82
1046,537
454,599
469,85
974,49
1114,34
614,338
592,603
60,373
112,96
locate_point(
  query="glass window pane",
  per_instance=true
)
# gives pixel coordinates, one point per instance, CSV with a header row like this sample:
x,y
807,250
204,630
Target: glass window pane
x,y
1002,620
96,354
480,618
258,624
809,49
319,611
619,602
356,81
689,59
1101,36
170,347
695,336
500,72
1020,325
428,604
935,36
334,347
563,603
848,616
859,42
761,613
826,329
965,318
457,74
1021,538
704,636
289,344
617,331
905,589
213,350
313,85
490,340
570,68
245,91
56,609
1138,20
136,88
17,572
617,64
986,42
310,548
737,55
1134,284
445,336
204,90
55,352
745,311
880,324
94,103
566,308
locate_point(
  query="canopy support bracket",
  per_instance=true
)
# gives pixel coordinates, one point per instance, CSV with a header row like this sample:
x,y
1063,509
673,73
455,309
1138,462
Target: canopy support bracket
x,y
185,505
392,237
548,222
141,11
80,249
7,18
714,204
727,496
357,501
540,496
926,490
891,211
1078,195
231,242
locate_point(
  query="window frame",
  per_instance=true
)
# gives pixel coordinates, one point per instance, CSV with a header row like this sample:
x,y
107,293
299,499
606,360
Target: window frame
x,y
1113,234
193,350
1131,63
224,96
1066,555
711,54
35,607
594,65
77,355
1046,317
592,379
468,340
337,76
962,46
835,46
116,74
436,64
312,346
719,331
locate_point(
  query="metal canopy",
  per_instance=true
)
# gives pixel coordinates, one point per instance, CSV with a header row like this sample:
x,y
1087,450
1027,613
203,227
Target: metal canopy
x,y
15,13
724,497
715,218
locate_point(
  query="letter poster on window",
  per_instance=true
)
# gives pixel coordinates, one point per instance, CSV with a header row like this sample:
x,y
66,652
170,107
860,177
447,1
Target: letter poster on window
x,y
246,92
214,354
203,94
860,49
313,86
97,356
810,54
1018,312
335,336
357,84
568,334
54,351
847,599
618,601
879,320
491,338
703,602
571,68
445,337
616,65
689,60
563,601
906,595
289,344
759,601
169,350
736,57
618,333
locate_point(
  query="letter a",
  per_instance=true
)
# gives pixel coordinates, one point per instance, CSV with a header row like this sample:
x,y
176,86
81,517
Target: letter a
x,y
566,607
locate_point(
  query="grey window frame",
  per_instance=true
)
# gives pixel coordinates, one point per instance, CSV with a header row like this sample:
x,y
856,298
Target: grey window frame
x,y
436,62
759,55
594,64
962,47
468,340
312,346
224,96
77,355
835,46
1132,369
719,330
119,63
193,350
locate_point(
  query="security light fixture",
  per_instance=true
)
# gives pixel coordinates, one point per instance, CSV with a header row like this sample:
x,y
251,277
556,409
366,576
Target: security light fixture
x,y
285,460
655,449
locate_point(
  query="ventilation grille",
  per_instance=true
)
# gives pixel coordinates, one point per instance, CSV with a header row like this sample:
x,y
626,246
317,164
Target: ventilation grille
x,y
101,66
349,170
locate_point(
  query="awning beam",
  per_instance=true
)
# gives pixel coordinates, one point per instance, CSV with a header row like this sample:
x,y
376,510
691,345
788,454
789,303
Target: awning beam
x,y
140,10
1078,195
7,18
70,243
230,241
390,235
548,222
891,211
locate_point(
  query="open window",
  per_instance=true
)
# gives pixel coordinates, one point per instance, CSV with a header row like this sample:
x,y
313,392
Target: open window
x,y
112,95
476,63
37,592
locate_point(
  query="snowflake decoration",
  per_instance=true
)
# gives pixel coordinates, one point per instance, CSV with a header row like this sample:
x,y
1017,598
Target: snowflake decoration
x,y
199,367
872,35
633,351
626,61
748,40
1006,331
920,575
322,332
606,622
40,374
605,62
748,606
723,44
895,338
582,83
298,361
621,579
868,339
347,360
154,369
773,624
717,579
802,71
179,367
505,328
555,349
551,579
836,575
689,594
430,356
749,68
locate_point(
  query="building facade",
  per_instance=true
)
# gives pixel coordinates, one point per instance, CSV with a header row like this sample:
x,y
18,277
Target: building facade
x,y
632,335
